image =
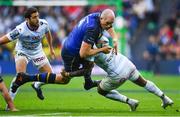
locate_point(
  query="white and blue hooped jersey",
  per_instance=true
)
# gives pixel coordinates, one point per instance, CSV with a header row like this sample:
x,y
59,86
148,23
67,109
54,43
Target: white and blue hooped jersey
x,y
28,41
115,65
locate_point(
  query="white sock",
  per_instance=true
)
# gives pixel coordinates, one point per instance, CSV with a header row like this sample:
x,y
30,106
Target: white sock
x,y
151,87
115,95
38,84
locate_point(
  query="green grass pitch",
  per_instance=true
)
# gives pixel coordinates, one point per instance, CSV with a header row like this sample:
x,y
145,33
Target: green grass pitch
x,y
73,100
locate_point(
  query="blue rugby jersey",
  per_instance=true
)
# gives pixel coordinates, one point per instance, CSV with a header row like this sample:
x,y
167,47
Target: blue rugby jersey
x,y
88,30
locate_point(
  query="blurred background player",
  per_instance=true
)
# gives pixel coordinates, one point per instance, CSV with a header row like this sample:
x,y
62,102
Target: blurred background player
x,y
6,95
78,44
28,47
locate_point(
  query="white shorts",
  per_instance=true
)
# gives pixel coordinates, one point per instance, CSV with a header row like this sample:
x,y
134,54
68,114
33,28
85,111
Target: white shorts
x,y
39,60
109,83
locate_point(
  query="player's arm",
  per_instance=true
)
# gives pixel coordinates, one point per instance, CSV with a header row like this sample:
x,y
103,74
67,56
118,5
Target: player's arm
x,y
49,39
4,39
86,49
14,34
113,34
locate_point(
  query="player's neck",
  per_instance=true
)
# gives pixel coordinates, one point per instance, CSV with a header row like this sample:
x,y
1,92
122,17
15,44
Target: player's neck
x,y
32,28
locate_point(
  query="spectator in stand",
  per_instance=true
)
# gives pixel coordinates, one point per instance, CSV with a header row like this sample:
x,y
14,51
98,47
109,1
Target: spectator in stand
x,y
151,54
166,38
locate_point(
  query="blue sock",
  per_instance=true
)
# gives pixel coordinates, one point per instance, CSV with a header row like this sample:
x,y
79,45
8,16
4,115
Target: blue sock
x,y
43,77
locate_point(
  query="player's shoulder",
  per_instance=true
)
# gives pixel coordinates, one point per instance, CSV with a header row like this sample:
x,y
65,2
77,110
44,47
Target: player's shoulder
x,y
23,24
93,20
43,22
21,27
94,15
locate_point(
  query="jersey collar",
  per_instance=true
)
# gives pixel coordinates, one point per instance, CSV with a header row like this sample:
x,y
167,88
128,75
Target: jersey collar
x,y
32,29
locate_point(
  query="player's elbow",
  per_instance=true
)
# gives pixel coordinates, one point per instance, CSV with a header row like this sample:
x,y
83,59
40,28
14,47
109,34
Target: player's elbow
x,y
83,54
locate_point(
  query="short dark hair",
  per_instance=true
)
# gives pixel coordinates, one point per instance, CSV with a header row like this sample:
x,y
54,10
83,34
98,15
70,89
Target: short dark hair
x,y
30,11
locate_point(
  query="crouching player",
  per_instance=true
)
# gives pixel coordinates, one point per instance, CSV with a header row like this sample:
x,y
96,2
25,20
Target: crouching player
x,y
119,69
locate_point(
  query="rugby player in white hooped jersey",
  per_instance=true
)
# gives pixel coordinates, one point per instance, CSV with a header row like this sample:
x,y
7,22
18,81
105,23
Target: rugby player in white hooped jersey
x,y
29,47
119,69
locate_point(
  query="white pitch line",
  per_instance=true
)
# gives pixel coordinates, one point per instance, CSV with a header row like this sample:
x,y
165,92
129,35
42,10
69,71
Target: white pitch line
x,y
52,114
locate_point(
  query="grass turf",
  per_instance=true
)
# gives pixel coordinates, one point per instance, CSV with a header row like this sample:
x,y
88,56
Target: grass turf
x,y
73,100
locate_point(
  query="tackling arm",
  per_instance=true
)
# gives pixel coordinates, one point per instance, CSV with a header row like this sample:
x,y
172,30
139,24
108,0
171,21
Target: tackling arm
x,y
87,51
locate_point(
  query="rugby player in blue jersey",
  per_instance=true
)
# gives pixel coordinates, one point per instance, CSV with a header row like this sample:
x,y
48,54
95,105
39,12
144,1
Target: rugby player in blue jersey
x,y
79,44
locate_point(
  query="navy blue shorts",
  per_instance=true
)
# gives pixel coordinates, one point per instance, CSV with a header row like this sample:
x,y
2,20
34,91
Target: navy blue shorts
x,y
71,62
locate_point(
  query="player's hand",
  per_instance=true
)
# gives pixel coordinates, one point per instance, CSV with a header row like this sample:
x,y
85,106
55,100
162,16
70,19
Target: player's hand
x,y
52,53
115,44
106,49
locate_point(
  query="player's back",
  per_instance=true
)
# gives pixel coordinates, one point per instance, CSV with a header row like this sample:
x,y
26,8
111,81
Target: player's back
x,y
75,38
114,64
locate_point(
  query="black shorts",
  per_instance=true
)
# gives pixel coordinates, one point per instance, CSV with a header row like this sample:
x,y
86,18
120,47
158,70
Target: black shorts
x,y
71,62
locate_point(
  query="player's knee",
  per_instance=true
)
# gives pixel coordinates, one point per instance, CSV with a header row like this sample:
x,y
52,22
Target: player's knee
x,y
140,81
88,67
101,92
88,64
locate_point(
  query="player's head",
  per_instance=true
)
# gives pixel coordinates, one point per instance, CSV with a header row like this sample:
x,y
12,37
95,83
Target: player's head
x,y
32,16
107,18
103,41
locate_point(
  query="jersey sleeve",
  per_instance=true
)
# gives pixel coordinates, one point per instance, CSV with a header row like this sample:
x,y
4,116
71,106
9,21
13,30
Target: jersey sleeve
x,y
47,29
14,34
90,36
44,22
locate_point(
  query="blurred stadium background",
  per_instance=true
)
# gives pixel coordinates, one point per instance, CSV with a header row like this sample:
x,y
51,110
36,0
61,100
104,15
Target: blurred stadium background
x,y
149,30
149,35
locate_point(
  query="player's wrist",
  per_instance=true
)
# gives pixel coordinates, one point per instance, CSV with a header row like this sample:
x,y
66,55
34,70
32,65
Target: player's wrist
x,y
99,50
